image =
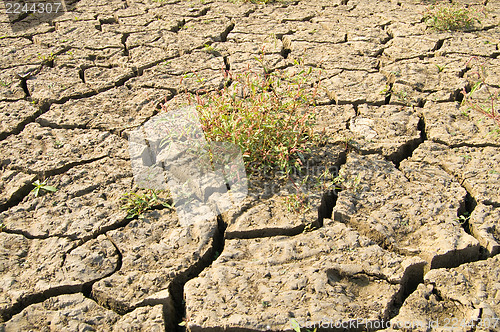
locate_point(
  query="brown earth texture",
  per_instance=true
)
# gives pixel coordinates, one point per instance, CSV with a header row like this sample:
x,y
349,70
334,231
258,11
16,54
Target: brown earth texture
x,y
411,245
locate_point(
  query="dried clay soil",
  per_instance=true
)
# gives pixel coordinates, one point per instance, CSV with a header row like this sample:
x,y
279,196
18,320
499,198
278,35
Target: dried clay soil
x,y
393,250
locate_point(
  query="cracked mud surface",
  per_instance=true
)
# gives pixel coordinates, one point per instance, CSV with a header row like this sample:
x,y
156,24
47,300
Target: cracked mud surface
x,y
393,248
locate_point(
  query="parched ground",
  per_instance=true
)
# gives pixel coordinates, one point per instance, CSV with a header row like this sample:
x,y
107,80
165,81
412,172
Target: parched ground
x,y
393,248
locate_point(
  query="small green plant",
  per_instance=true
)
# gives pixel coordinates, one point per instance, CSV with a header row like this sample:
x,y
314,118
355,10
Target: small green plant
x,y
5,84
440,68
47,59
324,181
396,73
343,183
270,116
489,107
402,97
450,17
296,326
309,227
350,144
463,218
2,227
266,304
297,203
58,144
136,204
211,50
465,113
386,91
466,157
42,186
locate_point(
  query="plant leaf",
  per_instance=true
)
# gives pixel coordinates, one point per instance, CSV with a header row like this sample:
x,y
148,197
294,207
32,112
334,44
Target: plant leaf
x,y
295,325
49,188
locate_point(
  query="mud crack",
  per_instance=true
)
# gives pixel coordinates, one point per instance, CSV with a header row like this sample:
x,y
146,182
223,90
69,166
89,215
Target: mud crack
x,y
177,286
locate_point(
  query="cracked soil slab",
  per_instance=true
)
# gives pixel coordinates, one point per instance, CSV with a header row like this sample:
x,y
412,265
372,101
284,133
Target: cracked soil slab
x,y
476,168
405,211
459,298
68,313
155,250
114,110
47,150
31,269
87,202
259,284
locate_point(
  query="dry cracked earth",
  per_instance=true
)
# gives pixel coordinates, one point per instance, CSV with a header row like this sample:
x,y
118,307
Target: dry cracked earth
x,y
393,249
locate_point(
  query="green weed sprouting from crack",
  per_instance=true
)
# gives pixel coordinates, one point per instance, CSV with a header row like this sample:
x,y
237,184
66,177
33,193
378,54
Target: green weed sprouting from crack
x,y
324,181
42,186
136,204
341,182
387,90
402,97
269,117
210,49
488,108
309,227
451,17
47,59
463,218
297,203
